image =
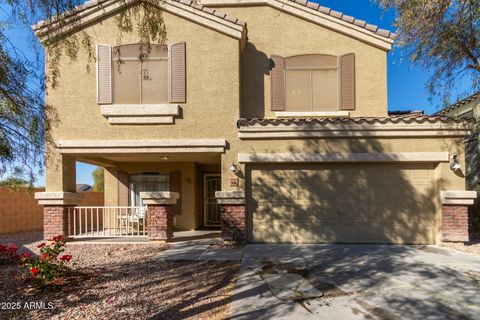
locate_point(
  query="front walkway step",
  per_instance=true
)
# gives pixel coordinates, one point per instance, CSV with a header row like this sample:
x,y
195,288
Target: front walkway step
x,y
200,251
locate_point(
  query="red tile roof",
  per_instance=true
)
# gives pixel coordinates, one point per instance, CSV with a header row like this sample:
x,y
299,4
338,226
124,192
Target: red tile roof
x,y
475,96
408,118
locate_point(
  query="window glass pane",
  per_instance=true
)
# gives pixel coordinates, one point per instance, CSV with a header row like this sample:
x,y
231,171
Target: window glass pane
x,y
298,95
325,90
155,81
147,183
126,82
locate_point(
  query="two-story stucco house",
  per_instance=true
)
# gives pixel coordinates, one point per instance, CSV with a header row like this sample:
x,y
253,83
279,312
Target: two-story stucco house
x,y
265,117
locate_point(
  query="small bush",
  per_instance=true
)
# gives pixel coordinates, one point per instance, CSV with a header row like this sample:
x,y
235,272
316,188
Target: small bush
x,y
48,268
8,253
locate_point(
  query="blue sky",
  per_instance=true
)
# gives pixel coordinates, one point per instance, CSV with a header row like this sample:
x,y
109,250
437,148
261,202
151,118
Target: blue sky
x,y
406,83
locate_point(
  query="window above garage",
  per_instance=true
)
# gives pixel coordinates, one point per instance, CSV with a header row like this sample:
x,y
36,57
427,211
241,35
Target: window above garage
x,y
313,84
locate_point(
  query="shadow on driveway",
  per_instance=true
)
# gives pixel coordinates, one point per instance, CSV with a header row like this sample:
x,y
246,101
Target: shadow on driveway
x,y
381,282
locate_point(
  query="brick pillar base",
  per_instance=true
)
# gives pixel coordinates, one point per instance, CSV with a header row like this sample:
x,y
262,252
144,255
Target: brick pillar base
x,y
55,211
55,221
234,225
160,222
233,216
455,223
160,213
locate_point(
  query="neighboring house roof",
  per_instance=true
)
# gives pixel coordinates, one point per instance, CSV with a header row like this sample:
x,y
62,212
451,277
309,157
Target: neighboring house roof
x,y
94,10
453,107
84,187
313,11
409,118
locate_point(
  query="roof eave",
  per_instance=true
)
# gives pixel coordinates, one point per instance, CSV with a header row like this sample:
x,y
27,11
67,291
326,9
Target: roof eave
x,y
85,15
303,10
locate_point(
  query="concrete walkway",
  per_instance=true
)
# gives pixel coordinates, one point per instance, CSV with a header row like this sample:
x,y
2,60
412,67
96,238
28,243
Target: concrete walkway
x,y
356,282
201,250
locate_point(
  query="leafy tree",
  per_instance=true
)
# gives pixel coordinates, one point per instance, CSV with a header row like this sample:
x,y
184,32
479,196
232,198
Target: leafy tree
x,y
16,184
98,179
25,121
443,36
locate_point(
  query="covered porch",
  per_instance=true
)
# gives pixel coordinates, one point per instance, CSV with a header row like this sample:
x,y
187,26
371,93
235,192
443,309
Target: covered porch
x,y
168,187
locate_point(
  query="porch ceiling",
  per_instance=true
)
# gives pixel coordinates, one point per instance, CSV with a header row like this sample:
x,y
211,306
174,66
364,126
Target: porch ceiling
x,y
107,160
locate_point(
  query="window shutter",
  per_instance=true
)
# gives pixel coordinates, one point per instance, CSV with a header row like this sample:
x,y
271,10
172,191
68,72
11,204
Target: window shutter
x,y
177,55
123,189
277,83
104,74
176,186
347,82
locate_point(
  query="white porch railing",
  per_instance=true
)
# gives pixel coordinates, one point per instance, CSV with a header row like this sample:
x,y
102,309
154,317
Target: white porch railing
x,y
107,222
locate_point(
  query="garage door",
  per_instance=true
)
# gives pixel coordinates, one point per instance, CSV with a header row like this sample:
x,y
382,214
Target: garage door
x,y
381,203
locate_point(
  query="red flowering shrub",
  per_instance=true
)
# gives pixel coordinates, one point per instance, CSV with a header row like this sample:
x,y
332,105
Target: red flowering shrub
x,y
8,253
48,268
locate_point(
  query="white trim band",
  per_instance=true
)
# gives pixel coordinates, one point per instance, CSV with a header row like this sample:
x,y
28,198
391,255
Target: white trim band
x,y
141,146
160,197
458,197
340,130
58,198
230,197
140,113
431,157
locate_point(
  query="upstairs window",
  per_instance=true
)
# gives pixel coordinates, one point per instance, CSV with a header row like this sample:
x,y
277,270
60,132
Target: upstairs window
x,y
130,74
140,76
313,83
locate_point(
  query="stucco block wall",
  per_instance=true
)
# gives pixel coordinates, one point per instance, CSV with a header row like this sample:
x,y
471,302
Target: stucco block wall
x,y
20,211
271,32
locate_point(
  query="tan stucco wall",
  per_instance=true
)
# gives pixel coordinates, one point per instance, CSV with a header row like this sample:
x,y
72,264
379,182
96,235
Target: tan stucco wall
x,y
212,87
271,32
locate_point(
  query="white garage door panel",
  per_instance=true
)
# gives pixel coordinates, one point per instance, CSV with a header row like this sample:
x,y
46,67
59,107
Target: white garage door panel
x,y
347,203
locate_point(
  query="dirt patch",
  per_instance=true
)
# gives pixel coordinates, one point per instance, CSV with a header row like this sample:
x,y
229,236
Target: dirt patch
x,y
472,247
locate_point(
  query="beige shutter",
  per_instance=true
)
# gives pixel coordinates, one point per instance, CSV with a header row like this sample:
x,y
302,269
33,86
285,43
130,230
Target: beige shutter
x,y
277,83
176,186
123,189
347,82
104,74
177,55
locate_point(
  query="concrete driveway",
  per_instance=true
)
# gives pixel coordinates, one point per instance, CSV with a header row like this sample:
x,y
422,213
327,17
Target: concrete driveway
x,y
356,282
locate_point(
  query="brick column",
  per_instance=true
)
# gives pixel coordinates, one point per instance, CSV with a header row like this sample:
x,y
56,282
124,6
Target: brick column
x,y
56,206
233,215
455,215
455,223
159,214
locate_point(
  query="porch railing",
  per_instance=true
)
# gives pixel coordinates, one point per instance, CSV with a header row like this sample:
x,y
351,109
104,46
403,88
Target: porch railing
x,y
107,222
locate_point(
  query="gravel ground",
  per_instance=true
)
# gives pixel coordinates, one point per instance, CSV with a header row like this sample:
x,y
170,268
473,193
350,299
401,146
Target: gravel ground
x,y
123,282
472,247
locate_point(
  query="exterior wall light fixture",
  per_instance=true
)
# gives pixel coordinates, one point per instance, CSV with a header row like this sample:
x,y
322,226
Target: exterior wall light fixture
x,y
454,165
234,168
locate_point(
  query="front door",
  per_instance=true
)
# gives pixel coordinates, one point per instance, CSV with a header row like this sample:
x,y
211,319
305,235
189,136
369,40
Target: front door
x,y
211,209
